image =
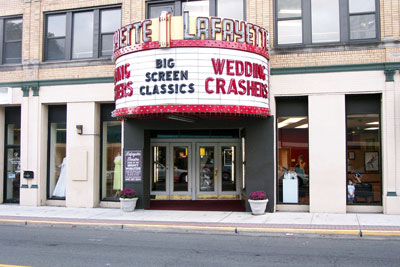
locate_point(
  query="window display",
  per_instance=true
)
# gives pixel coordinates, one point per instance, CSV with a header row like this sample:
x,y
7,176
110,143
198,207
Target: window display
x,y
293,154
111,160
364,181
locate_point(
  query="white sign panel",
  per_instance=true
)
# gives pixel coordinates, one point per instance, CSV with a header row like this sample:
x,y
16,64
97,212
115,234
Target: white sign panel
x,y
192,76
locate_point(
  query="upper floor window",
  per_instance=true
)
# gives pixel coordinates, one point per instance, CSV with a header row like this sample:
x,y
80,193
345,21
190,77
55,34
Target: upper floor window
x,y
221,8
304,22
10,40
80,34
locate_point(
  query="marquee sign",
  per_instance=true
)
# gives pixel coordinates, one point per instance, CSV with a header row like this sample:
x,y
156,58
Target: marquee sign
x,y
192,66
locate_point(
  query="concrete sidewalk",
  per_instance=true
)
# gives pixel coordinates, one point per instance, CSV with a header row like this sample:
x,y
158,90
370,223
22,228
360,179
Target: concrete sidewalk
x,y
237,222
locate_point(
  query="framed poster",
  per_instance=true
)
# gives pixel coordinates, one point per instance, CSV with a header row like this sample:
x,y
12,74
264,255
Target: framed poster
x,y
133,166
371,161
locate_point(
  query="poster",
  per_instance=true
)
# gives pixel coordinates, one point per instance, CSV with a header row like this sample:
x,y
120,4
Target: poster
x,y
133,166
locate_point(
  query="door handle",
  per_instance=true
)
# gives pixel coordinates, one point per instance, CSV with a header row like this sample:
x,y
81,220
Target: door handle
x,y
216,173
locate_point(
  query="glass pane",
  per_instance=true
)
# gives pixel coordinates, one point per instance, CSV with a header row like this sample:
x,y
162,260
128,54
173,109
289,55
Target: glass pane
x,y
181,168
289,8
13,29
110,20
57,161
325,21
13,174
361,6
56,26
196,8
293,179
112,160
363,160
13,52
290,32
13,134
56,49
230,9
159,171
107,44
155,10
82,39
228,162
362,27
206,165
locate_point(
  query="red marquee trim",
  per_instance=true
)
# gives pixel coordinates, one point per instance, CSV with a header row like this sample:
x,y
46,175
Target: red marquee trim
x,y
193,43
203,110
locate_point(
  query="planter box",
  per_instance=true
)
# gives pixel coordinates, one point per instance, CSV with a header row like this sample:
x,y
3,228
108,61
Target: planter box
x,y
128,204
258,206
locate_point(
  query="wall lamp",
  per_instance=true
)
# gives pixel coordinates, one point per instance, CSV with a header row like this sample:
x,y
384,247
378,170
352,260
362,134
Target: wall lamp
x,y
79,129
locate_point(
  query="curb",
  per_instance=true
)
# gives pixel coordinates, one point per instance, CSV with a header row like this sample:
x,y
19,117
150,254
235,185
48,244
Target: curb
x,y
189,227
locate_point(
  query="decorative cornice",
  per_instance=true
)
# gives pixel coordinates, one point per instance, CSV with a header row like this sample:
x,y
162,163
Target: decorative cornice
x,y
39,83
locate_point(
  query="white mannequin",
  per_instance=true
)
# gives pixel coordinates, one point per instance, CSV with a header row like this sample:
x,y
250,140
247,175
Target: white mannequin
x,y
60,189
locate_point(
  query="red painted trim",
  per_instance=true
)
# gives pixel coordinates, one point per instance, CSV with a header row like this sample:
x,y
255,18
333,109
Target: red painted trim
x,y
202,110
193,43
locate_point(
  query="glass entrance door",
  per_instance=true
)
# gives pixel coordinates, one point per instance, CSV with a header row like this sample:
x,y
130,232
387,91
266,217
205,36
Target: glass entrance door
x,y
195,170
12,163
217,171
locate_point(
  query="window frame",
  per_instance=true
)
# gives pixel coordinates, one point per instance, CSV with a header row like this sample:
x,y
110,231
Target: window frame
x,y
105,115
344,25
3,34
213,4
69,32
55,114
290,106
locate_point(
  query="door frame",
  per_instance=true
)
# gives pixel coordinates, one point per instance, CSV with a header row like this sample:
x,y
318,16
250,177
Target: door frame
x,y
193,165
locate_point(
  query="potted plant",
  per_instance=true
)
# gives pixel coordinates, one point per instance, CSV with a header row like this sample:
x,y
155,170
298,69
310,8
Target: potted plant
x,y
258,202
128,199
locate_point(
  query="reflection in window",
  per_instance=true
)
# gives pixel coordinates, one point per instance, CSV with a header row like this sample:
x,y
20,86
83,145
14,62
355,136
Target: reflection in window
x,y
363,159
206,164
57,159
156,10
228,175
12,40
230,9
362,19
293,172
56,36
181,161
159,170
82,43
110,22
290,21
112,160
197,8
325,21
13,162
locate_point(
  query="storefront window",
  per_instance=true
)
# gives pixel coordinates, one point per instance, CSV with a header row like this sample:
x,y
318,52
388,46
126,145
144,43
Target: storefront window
x,y
364,180
57,163
12,155
293,153
111,162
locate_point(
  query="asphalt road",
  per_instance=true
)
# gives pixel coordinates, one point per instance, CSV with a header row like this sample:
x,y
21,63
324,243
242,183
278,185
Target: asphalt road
x,y
63,246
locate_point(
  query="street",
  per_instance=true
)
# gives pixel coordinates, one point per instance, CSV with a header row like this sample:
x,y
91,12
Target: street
x,y
42,246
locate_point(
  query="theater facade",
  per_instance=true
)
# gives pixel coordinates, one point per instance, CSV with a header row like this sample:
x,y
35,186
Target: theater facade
x,y
197,103
190,92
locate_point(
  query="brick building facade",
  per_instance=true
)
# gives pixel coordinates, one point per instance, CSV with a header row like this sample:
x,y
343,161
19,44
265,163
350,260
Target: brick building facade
x,y
333,103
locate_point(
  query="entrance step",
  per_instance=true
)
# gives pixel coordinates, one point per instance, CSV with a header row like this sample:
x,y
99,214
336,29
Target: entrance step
x,y
198,205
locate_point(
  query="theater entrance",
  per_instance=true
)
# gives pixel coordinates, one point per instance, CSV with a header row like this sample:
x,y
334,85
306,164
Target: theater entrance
x,y
196,169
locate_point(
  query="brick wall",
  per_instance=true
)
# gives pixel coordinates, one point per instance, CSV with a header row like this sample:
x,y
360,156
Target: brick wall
x,y
259,12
